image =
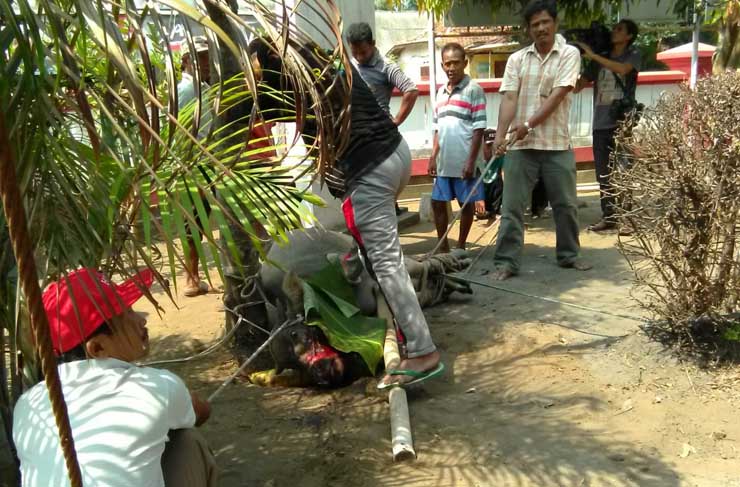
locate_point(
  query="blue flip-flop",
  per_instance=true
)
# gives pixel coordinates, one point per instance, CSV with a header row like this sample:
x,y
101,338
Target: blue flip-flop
x,y
417,376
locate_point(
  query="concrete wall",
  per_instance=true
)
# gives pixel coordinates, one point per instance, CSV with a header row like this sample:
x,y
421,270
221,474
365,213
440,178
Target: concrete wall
x,y
414,56
310,11
393,28
417,129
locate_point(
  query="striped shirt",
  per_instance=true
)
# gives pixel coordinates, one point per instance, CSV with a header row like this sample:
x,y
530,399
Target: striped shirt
x,y
458,113
381,77
534,78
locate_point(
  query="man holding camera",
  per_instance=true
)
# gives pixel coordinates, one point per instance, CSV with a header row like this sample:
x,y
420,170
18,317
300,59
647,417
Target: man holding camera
x,y
614,74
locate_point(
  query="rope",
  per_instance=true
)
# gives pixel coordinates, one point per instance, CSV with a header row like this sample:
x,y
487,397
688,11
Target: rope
x,y
233,376
495,226
543,298
210,349
467,200
459,212
23,250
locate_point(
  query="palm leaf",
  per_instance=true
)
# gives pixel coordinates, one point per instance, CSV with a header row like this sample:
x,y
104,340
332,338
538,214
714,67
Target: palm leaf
x,y
330,305
90,111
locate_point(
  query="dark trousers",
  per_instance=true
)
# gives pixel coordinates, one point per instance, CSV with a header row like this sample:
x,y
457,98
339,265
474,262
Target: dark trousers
x,y
539,198
522,168
603,144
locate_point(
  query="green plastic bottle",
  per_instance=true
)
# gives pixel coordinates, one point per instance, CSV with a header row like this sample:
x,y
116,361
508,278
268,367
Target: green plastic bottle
x,y
492,168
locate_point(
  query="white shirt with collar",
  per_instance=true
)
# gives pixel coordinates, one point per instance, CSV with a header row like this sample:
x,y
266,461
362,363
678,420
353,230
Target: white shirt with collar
x,y
534,77
120,416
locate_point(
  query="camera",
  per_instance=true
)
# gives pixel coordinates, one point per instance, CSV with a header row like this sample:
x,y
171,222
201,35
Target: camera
x,y
598,37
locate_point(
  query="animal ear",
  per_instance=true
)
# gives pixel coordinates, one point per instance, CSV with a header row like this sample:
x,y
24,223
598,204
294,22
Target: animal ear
x,y
293,289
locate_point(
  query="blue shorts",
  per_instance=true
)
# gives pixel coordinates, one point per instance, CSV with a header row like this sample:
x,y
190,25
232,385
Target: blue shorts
x,y
448,189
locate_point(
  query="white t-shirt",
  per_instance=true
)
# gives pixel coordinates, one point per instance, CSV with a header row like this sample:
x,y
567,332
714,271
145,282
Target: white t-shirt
x,y
186,95
120,415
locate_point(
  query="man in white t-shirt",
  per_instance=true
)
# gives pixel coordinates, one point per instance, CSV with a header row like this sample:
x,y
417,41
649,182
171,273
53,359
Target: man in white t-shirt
x,y
196,67
132,426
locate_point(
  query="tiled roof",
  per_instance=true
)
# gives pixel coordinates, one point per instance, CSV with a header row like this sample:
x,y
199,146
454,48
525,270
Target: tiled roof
x,y
467,41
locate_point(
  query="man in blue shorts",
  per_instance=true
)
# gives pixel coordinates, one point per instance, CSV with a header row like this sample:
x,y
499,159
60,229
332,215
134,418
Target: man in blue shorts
x,y
459,121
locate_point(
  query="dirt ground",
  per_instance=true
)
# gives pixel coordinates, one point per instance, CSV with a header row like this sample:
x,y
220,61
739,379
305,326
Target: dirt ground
x,y
535,393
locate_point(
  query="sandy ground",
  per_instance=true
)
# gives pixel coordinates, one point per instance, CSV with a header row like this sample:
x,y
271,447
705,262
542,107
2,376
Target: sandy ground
x,y
535,394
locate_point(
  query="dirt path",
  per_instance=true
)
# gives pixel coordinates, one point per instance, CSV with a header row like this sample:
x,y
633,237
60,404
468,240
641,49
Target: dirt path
x,y
536,393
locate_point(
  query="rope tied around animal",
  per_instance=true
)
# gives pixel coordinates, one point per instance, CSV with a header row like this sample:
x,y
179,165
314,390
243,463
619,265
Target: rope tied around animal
x,y
20,238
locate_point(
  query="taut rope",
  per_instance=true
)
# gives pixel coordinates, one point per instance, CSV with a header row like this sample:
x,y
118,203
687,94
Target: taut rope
x,y
15,215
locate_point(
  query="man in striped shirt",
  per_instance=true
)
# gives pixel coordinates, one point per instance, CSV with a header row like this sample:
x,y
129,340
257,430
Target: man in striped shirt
x,y
459,121
381,75
534,112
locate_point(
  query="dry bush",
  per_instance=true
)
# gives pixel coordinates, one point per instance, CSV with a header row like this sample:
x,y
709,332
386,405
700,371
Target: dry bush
x,y
677,181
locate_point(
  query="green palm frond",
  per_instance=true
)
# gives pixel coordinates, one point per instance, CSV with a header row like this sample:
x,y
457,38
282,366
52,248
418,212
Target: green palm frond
x,y
91,104
114,175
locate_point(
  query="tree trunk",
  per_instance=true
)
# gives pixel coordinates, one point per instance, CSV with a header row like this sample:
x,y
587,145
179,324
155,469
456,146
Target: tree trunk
x,y
23,249
727,55
241,286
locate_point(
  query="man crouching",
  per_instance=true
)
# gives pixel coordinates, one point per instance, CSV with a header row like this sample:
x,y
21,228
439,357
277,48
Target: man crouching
x,y
131,425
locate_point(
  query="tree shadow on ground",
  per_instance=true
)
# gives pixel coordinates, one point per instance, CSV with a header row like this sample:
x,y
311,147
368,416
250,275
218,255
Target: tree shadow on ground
x,y
501,415
477,426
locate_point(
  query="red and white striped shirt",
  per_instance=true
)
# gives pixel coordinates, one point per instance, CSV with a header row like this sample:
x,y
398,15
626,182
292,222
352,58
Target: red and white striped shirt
x,y
457,114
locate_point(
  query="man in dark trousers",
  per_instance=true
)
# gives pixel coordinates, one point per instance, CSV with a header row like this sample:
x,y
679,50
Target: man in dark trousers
x,y
534,112
614,75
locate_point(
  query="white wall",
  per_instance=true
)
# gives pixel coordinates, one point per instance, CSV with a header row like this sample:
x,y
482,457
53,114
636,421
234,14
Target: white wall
x,y
417,129
393,28
413,57
351,11
309,13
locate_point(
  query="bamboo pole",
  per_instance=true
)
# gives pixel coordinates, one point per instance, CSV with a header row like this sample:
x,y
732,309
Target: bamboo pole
x,y
402,442
15,216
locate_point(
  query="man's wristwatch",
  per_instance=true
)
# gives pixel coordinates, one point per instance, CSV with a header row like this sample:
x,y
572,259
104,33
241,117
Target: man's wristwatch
x,y
529,129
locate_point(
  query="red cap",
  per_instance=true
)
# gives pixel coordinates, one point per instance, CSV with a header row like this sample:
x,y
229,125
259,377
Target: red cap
x,y
80,302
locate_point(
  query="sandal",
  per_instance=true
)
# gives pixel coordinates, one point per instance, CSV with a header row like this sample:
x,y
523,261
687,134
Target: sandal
x,y
418,377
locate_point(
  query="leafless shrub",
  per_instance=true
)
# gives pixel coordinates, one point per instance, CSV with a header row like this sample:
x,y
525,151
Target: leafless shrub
x,y
677,181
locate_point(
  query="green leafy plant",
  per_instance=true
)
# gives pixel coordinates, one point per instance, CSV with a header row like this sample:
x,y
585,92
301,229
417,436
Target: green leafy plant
x,y
576,11
105,170
676,180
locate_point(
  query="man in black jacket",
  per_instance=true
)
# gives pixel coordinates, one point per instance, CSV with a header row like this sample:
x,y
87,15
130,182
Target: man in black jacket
x,y
371,171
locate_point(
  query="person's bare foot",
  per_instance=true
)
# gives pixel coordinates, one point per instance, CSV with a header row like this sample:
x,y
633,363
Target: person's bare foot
x,y
577,264
444,248
425,363
195,288
502,274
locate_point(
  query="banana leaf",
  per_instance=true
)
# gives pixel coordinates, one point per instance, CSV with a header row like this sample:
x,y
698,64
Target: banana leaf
x,y
329,304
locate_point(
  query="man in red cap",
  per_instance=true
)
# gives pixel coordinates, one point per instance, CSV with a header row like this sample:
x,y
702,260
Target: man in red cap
x,y
131,425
